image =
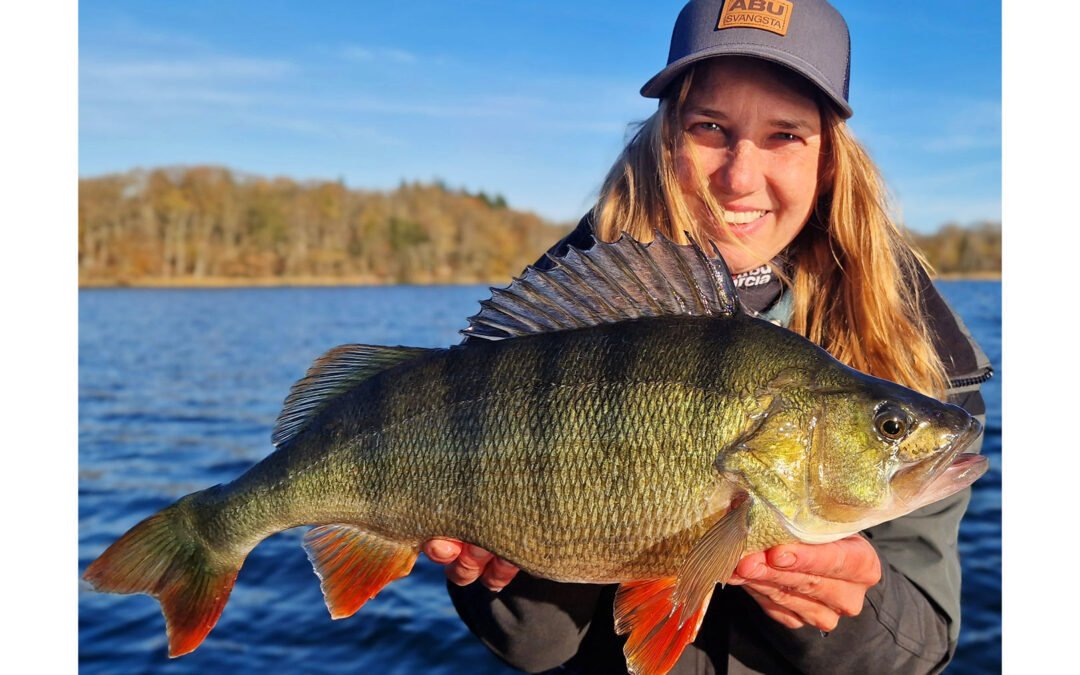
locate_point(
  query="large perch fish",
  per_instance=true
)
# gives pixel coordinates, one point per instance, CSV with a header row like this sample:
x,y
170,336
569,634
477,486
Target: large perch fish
x,y
623,421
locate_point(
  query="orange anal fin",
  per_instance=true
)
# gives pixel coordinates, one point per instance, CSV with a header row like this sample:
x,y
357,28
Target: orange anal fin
x,y
354,565
644,609
160,558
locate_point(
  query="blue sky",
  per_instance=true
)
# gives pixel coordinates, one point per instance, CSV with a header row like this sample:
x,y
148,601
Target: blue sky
x,y
528,99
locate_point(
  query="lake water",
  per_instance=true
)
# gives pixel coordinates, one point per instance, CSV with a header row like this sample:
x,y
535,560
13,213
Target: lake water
x,y
179,389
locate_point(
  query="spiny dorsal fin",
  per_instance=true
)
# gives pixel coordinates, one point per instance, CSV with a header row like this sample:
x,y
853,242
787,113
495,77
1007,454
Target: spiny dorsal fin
x,y
607,283
333,373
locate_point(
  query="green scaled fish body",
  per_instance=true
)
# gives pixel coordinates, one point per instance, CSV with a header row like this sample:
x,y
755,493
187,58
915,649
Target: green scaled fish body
x,y
528,454
618,420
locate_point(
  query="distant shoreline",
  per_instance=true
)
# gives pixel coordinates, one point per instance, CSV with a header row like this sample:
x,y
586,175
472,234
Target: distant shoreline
x,y
975,276
315,282
272,282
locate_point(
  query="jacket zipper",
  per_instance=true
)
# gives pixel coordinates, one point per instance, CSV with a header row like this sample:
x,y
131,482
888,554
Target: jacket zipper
x,y
968,381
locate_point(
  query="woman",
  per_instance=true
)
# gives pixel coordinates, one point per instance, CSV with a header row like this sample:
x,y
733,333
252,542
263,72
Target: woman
x,y
749,150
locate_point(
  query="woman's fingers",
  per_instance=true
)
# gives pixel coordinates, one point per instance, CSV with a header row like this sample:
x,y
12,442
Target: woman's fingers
x,y
775,612
788,604
442,551
465,563
840,596
811,584
498,574
850,559
469,565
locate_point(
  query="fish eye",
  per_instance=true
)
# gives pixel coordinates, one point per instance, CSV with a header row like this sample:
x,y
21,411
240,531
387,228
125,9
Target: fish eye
x,y
891,422
892,427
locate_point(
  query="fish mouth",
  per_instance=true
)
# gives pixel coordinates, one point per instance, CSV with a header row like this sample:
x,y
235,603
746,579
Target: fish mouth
x,y
962,466
966,468
964,440
946,474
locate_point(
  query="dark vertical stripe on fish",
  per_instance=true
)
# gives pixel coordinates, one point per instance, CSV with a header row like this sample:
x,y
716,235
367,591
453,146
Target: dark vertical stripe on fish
x,y
701,359
387,446
550,420
464,428
437,382
619,361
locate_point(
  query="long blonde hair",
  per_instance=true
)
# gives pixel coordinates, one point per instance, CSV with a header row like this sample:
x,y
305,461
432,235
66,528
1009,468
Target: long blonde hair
x,y
855,286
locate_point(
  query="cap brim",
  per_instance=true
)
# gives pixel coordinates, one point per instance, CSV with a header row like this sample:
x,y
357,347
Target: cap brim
x,y
659,83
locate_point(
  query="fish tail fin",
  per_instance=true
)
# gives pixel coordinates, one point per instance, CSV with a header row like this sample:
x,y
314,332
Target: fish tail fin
x,y
164,556
354,565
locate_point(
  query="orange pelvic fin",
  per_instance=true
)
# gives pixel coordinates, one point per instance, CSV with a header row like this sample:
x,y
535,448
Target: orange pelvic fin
x,y
354,565
657,636
160,557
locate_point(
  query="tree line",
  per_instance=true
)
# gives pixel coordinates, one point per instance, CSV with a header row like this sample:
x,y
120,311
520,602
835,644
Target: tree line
x,y
207,225
957,250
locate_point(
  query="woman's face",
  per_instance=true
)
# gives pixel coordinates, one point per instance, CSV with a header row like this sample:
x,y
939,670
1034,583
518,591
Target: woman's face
x,y
758,142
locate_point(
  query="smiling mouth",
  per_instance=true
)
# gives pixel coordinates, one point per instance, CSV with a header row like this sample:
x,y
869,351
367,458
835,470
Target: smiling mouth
x,y
742,217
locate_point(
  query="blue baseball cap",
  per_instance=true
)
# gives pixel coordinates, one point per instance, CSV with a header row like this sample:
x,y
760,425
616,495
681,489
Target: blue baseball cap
x,y
806,36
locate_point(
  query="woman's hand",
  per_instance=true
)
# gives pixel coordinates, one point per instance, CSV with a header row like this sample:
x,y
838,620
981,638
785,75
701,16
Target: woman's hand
x,y
811,584
466,563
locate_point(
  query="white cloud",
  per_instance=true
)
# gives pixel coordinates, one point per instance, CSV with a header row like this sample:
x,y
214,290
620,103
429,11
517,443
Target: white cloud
x,y
377,54
137,92
207,69
319,128
122,32
927,215
956,142
938,124
939,181
154,95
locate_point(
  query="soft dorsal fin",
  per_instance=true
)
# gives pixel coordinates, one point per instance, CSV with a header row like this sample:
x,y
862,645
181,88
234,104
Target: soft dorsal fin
x,y
333,373
607,283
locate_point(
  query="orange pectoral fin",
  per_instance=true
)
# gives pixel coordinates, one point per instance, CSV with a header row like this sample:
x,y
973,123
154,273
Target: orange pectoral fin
x,y
645,609
714,557
354,565
664,615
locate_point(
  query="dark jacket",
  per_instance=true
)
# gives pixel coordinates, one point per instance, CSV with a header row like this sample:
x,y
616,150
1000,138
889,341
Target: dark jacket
x,y
909,623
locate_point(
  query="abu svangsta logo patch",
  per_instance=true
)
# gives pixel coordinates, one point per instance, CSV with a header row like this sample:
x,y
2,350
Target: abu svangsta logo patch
x,y
770,15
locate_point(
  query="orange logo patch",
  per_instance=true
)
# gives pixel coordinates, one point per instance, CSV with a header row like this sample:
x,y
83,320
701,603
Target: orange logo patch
x,y
770,15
